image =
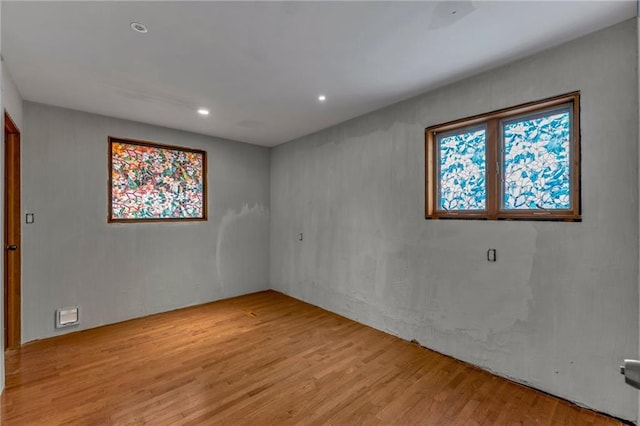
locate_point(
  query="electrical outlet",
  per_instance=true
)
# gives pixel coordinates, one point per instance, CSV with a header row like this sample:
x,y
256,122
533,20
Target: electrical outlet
x,y
491,255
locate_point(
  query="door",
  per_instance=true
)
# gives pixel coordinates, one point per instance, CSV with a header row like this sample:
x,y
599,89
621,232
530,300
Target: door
x,y
11,233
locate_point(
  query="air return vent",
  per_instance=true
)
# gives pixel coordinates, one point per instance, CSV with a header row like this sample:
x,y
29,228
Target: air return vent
x,y
67,317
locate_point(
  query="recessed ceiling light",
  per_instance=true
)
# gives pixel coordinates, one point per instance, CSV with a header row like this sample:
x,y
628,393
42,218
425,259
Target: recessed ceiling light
x,y
203,111
322,98
138,27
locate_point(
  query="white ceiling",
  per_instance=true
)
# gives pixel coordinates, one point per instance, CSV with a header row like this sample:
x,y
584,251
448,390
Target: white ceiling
x,y
260,66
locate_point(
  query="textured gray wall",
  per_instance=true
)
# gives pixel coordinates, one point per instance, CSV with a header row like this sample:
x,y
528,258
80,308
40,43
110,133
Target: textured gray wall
x,y
12,100
638,123
72,256
559,310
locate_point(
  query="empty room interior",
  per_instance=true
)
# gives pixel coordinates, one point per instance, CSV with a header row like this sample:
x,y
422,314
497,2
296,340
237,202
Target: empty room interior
x,y
264,213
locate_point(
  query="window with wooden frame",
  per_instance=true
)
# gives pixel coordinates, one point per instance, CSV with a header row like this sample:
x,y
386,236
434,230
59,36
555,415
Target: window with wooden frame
x,y
154,182
516,163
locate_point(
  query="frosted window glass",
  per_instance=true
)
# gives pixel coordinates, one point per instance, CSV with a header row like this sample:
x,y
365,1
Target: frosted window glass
x,y
156,182
536,162
463,170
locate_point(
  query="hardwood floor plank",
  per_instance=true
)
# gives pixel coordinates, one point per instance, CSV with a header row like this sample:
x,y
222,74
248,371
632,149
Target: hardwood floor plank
x,y
260,359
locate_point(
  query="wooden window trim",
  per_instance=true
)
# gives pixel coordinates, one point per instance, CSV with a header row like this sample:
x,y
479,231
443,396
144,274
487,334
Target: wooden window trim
x,y
492,120
111,219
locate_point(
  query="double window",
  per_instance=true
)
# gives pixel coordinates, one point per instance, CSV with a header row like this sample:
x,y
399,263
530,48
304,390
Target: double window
x,y
154,182
517,163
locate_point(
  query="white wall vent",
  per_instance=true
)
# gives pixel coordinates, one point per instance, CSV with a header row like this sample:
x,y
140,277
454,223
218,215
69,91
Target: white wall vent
x,y
66,317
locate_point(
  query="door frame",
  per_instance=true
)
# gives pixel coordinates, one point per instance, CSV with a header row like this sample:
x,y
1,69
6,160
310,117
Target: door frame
x,y
12,231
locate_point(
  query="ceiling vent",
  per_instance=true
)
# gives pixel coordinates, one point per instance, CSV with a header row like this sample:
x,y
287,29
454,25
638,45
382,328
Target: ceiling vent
x,y
138,27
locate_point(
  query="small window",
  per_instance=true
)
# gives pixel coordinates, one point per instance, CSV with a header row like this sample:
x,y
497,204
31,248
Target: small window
x,y
153,182
518,163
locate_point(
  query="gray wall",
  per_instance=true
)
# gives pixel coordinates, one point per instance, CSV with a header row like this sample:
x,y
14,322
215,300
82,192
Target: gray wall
x,y
12,100
72,256
638,123
559,310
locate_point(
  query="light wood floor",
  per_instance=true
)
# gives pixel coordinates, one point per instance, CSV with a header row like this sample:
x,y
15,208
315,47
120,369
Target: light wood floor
x,y
261,359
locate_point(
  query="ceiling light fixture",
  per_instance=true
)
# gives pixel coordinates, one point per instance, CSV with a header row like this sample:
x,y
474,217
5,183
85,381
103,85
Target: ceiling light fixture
x,y
203,111
138,27
322,98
